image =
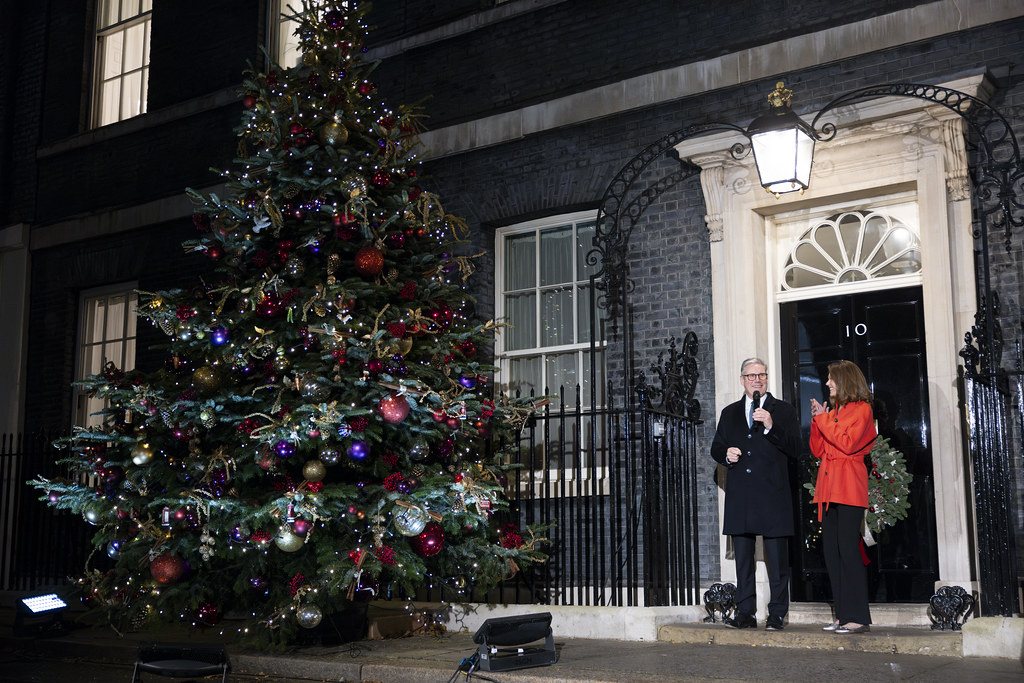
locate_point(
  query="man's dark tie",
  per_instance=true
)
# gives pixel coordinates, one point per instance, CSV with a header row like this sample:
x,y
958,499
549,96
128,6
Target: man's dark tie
x,y
750,417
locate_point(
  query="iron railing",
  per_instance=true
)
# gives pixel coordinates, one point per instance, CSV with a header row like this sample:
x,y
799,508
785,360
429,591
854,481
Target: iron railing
x,y
39,546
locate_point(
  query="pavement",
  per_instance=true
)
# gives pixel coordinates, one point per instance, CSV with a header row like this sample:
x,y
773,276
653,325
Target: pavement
x,y
701,653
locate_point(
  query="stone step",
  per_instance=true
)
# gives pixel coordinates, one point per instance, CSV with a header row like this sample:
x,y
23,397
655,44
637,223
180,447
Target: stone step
x,y
888,639
882,614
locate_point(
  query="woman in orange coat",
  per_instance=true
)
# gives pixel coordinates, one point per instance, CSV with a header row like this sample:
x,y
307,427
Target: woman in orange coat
x,y
842,433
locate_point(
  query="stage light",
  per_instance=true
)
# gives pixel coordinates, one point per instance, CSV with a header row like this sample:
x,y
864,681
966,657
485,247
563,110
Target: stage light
x,y
39,615
503,642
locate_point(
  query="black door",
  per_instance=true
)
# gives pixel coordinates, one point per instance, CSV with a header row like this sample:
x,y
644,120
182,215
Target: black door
x,y
883,332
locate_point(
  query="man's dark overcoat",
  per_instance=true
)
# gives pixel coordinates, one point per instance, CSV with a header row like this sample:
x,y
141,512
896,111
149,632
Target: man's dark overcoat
x,y
758,499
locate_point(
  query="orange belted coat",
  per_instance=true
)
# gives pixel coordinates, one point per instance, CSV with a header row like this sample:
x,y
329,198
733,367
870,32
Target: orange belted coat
x,y
840,438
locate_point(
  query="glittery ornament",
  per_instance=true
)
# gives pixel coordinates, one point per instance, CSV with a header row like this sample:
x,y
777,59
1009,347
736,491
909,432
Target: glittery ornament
x,y
333,133
329,456
314,470
308,616
207,379
369,261
167,568
410,521
295,267
393,408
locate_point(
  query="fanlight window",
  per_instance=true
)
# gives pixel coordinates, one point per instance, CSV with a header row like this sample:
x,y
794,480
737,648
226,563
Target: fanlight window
x,y
852,247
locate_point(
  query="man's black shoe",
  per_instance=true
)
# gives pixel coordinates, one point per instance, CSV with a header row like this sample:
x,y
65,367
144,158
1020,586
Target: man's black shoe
x,y
740,621
774,624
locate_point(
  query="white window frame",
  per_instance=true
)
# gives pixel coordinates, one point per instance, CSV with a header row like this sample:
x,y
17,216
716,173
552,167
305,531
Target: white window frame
x,y
283,45
504,356
85,407
105,33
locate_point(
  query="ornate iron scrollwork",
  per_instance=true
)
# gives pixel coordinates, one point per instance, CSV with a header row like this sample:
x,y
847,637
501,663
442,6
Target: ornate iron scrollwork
x,y
678,376
622,207
950,608
987,334
720,598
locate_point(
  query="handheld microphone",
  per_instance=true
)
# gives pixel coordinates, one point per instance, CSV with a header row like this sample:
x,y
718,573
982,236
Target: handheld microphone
x,y
756,398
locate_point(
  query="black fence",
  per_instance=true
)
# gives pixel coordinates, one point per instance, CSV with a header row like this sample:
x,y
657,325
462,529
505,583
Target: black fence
x,y
39,546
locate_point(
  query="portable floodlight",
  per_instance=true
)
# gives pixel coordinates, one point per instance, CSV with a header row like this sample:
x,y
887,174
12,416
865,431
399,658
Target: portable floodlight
x,y
506,643
39,615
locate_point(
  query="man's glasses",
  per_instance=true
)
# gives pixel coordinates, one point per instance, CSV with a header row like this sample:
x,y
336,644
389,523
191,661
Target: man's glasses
x,y
756,375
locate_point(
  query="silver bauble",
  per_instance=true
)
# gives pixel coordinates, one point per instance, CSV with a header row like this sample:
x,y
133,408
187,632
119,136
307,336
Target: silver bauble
x,y
314,389
294,267
287,541
419,452
329,456
410,521
308,616
92,515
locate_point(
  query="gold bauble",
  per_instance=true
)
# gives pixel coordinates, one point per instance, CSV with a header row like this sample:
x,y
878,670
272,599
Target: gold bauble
x,y
207,378
287,541
142,453
310,58
404,345
314,470
333,133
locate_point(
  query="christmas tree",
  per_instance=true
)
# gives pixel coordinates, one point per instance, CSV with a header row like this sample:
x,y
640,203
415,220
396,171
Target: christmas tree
x,y
321,428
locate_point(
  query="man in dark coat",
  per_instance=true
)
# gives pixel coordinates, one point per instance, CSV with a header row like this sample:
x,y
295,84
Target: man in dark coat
x,y
754,442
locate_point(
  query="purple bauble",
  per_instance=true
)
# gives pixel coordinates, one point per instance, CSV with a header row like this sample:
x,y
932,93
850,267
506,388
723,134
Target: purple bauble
x,y
219,335
334,20
284,449
467,381
358,450
238,535
257,582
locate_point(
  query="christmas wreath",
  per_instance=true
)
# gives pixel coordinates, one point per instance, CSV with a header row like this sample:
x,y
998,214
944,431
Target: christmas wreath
x,y
888,485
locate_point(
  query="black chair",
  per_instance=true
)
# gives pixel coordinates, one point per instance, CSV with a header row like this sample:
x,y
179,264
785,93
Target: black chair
x,y
182,661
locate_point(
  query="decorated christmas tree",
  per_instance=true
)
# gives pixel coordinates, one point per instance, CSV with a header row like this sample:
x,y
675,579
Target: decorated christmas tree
x,y
320,431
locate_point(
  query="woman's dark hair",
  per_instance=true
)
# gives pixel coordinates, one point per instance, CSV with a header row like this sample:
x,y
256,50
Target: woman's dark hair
x,y
850,383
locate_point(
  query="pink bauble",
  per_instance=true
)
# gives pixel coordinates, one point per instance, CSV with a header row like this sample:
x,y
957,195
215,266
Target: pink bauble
x,y
393,408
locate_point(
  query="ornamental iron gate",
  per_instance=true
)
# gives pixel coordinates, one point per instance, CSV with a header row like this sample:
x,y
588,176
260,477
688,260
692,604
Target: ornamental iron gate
x,y
616,485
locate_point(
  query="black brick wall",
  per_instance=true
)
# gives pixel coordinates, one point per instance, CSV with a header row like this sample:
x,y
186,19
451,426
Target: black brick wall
x,y
568,169
582,44
153,257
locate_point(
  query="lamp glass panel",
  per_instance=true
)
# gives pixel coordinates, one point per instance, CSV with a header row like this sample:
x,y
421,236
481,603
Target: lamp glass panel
x,y
783,159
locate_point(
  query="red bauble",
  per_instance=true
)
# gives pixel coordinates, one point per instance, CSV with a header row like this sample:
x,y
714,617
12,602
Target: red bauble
x,y
296,128
167,568
365,88
369,261
430,541
215,252
393,408
249,101
208,613
381,179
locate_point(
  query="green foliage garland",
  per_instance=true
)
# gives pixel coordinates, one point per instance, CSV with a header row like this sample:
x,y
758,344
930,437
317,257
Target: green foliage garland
x,y
888,486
